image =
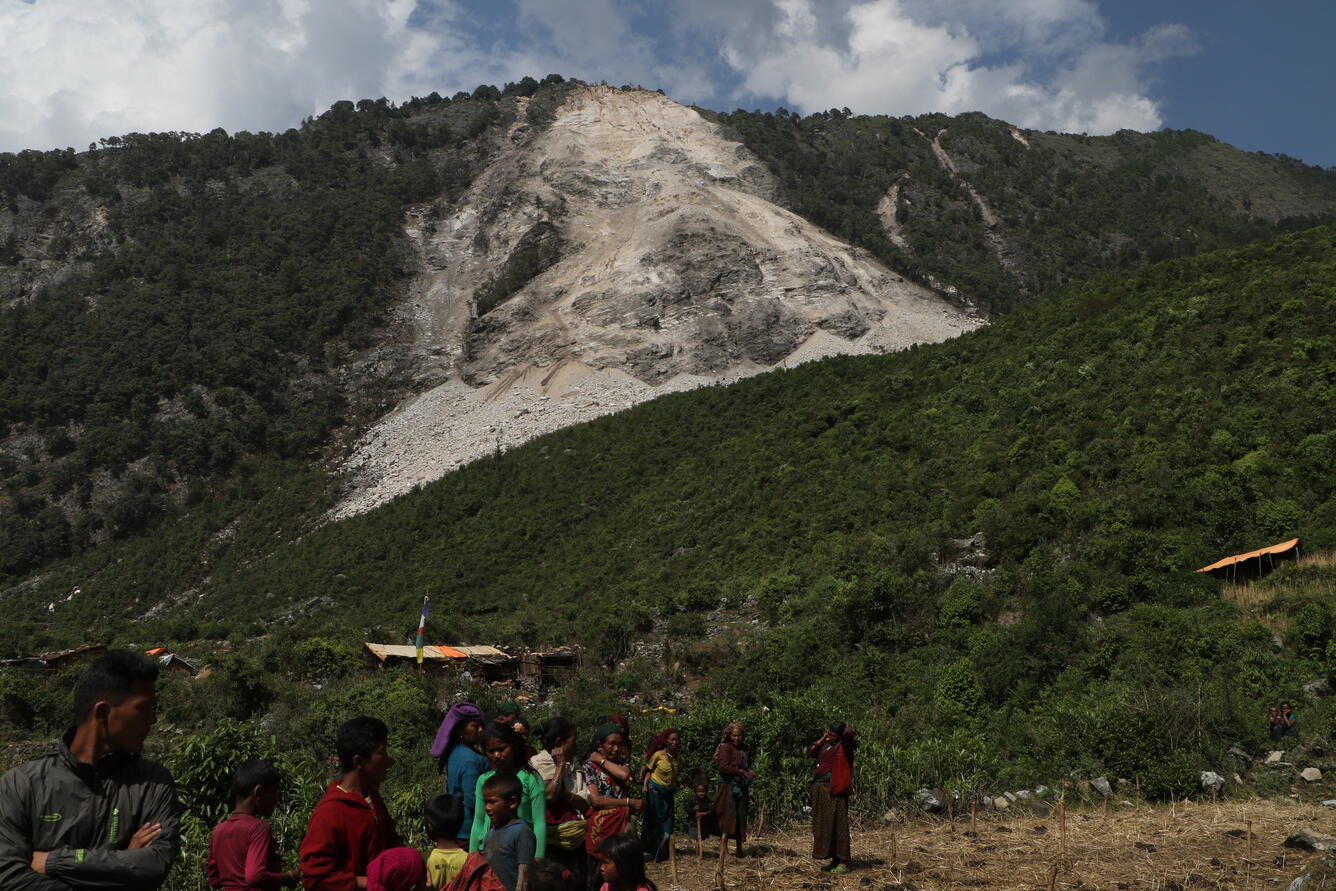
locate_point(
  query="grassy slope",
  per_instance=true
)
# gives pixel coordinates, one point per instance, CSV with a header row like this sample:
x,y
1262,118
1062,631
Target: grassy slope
x,y
1138,427
211,361
1105,443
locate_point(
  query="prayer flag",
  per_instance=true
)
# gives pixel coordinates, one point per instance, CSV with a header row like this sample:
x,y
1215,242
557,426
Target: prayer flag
x,y
422,630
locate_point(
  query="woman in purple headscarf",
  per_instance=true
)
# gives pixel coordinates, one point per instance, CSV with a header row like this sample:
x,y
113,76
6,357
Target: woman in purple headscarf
x,y
456,753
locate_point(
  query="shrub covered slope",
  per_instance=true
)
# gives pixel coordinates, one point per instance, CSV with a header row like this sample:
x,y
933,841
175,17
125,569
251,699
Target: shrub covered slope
x,y
1103,444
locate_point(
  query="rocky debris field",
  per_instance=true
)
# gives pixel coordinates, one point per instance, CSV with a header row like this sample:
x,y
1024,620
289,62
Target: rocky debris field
x,y
622,250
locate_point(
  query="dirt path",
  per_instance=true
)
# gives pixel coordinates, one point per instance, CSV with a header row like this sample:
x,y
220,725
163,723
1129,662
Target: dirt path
x,y
1153,848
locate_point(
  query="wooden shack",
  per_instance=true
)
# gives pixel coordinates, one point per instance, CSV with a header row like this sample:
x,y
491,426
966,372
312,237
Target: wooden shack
x,y
484,662
50,663
551,668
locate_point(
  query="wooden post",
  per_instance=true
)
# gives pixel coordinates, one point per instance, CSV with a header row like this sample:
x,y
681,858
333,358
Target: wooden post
x,y
950,816
723,855
974,818
1106,808
1138,790
1250,839
700,848
672,859
1062,825
522,880
893,851
1053,877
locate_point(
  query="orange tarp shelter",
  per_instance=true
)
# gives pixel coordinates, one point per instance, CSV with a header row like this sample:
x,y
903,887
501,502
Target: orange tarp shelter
x,y
1229,565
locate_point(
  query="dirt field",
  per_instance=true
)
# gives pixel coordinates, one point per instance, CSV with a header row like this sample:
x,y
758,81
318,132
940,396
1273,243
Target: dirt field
x,y
1154,848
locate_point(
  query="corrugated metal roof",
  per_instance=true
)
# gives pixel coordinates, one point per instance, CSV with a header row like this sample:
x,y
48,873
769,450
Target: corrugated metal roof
x,y
1260,552
482,651
408,651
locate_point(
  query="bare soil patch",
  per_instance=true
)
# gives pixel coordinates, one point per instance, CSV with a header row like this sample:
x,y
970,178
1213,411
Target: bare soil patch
x,y
1186,846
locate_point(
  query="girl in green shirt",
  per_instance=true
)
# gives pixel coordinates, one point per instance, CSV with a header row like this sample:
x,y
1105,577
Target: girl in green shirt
x,y
507,750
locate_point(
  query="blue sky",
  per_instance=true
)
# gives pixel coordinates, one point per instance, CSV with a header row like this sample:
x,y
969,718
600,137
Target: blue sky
x,y
1257,76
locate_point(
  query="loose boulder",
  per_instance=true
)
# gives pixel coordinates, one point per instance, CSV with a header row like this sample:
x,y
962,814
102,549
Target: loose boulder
x,y
1310,774
1274,757
1308,840
928,802
1101,785
1318,875
1315,690
1212,782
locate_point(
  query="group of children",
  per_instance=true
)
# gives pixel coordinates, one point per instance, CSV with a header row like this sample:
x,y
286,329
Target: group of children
x,y
352,842
1282,722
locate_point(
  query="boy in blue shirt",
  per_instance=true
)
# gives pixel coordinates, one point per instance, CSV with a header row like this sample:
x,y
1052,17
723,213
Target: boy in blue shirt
x,y
510,844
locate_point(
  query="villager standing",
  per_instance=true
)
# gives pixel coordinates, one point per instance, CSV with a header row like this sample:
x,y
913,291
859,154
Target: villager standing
x,y
732,759
506,753
91,811
832,784
660,781
610,803
567,797
457,752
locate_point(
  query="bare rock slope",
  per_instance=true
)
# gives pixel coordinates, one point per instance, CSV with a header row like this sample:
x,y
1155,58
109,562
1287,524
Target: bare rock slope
x,y
619,251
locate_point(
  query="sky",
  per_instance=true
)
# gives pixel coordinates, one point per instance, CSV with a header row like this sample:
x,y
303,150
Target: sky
x,y
1259,76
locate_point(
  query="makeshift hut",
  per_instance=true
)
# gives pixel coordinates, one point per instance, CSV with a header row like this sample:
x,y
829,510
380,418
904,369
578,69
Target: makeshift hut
x,y
1253,564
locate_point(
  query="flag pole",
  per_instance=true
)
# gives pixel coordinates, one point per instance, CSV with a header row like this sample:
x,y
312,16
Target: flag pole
x,y
422,629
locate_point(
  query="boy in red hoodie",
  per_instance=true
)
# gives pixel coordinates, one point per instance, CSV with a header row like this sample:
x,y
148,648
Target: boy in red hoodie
x,y
350,825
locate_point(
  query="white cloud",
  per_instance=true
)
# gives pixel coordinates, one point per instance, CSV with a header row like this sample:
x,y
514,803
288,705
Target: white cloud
x,y
1039,63
75,70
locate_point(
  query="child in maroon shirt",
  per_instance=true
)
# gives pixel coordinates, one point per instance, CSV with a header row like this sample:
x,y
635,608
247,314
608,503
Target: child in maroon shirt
x,y
242,856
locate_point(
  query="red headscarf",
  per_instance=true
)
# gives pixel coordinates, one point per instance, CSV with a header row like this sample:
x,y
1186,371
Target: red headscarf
x,y
660,742
398,869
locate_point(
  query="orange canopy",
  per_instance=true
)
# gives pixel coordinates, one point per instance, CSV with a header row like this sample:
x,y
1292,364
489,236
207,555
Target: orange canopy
x,y
1281,548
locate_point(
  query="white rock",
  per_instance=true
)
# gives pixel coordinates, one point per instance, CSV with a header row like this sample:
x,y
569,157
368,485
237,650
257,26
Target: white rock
x,y
1212,781
1101,785
1274,757
1310,774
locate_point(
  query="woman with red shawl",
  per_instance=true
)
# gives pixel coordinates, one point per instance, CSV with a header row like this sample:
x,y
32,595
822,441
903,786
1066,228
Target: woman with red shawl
x,y
733,761
610,804
832,784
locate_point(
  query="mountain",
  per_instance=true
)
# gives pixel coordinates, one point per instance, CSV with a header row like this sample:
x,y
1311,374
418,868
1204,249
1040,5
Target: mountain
x,y
997,215
622,250
984,548
253,333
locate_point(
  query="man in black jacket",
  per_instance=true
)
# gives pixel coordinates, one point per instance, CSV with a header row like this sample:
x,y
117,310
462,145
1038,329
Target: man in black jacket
x,y
91,812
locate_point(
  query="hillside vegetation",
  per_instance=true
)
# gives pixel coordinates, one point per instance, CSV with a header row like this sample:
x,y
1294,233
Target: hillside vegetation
x,y
177,307
1047,209
190,323
1098,447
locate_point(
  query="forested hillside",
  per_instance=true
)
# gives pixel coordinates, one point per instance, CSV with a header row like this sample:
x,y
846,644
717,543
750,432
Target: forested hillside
x,y
1097,447
195,326
180,311
1003,216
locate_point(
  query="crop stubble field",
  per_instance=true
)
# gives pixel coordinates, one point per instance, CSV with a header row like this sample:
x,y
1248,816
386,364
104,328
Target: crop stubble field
x,y
1176,848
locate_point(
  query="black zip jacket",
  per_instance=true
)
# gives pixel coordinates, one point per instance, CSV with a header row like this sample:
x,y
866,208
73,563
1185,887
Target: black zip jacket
x,y
84,815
